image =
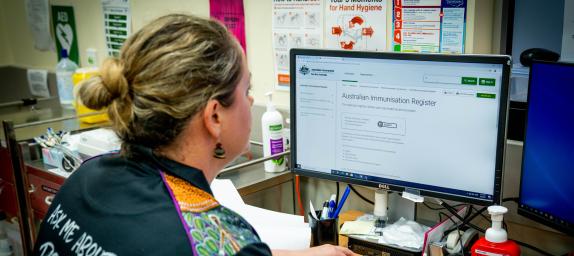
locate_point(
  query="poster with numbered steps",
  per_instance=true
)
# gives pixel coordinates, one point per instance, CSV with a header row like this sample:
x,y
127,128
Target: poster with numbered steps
x,y
429,26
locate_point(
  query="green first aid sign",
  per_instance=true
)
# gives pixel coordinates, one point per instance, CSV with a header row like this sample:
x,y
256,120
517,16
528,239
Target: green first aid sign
x,y
64,27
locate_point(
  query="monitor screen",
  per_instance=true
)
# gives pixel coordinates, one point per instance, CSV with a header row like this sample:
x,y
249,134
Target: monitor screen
x,y
429,123
546,188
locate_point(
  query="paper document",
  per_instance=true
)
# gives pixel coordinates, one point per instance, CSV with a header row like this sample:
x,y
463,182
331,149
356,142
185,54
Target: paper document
x,y
276,229
226,194
38,82
38,14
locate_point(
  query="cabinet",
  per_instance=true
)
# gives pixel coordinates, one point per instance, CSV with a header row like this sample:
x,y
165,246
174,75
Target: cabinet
x,y
8,202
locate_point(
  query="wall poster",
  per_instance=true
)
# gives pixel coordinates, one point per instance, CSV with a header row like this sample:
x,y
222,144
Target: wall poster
x,y
356,25
64,27
296,24
231,13
429,26
117,24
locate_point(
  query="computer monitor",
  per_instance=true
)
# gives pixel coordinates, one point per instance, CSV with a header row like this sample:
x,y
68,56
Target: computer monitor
x,y
547,181
427,123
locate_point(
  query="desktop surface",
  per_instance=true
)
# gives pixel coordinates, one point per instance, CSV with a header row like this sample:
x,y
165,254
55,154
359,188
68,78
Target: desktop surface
x,y
425,122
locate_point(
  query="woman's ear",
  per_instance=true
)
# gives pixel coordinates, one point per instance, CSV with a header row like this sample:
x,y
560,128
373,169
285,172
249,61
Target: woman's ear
x,y
212,118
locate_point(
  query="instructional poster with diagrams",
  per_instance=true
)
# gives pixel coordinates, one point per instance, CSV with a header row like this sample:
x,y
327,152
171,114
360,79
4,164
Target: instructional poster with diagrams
x,y
429,26
117,24
356,25
296,24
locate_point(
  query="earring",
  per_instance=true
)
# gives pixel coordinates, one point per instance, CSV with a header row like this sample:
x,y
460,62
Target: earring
x,y
219,152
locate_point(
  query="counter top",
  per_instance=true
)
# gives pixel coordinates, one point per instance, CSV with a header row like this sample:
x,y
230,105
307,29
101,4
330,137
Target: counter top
x,y
28,116
247,180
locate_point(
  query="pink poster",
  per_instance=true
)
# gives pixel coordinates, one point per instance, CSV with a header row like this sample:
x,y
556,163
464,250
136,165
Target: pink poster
x,y
231,13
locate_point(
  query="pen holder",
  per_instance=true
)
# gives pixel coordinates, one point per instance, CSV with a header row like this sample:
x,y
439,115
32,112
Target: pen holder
x,y
323,231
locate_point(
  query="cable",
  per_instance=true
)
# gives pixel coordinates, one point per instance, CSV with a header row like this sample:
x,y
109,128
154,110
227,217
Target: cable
x,y
454,213
361,196
457,230
432,208
466,221
439,208
337,198
298,191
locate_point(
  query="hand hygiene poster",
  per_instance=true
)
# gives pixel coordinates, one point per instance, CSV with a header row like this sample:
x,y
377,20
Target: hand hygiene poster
x,y
296,24
356,25
429,26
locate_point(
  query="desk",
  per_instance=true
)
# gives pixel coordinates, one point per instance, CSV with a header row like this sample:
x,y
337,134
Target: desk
x,y
252,179
247,180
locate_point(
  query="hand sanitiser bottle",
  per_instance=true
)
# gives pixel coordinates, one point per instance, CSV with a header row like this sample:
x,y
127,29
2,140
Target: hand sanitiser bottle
x,y
495,241
64,71
272,128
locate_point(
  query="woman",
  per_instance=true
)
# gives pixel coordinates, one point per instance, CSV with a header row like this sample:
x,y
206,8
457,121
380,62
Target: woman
x,y
178,97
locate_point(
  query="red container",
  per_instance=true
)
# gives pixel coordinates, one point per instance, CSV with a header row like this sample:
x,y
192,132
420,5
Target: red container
x,y
484,247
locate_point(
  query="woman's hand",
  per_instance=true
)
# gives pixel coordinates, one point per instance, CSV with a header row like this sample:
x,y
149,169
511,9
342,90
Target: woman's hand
x,y
323,250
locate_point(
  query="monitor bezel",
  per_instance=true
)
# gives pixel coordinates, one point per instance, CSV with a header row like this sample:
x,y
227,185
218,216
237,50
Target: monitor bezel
x,y
524,210
504,60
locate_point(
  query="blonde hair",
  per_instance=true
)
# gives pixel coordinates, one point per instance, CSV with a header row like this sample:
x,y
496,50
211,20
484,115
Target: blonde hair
x,y
166,74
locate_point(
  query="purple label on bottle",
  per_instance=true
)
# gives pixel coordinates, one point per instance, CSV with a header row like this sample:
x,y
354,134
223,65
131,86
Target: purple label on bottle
x,y
277,147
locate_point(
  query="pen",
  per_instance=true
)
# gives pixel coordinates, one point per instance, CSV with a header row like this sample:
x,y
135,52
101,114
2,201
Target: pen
x,y
325,211
312,209
345,195
332,205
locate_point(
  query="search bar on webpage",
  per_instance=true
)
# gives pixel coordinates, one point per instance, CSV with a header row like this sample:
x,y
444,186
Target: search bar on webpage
x,y
441,79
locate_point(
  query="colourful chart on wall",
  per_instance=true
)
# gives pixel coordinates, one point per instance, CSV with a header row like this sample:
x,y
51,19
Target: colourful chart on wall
x,y
429,26
231,13
356,25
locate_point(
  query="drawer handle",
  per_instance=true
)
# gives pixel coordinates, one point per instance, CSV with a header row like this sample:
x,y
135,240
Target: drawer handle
x,y
48,200
32,189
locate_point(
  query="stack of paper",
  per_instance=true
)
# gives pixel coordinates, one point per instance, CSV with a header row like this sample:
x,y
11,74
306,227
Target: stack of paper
x,y
276,229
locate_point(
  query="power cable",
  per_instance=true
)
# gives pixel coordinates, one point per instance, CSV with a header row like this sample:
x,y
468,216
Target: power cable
x,y
361,196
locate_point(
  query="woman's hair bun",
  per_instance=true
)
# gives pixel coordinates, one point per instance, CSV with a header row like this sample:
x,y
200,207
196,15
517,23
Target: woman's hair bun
x,y
112,74
101,90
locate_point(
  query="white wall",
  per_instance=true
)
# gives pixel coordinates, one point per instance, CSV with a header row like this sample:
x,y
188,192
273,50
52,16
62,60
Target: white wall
x,y
89,24
5,56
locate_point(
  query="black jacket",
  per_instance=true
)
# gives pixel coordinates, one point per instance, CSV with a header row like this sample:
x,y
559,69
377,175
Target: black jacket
x,y
116,205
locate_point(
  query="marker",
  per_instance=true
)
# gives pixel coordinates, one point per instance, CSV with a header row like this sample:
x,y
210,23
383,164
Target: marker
x,y
332,205
345,195
325,211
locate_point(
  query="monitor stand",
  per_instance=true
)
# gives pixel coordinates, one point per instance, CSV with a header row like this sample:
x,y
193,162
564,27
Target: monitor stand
x,y
391,206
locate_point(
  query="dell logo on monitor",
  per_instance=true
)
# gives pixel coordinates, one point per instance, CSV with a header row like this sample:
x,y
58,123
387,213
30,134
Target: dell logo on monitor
x,y
384,186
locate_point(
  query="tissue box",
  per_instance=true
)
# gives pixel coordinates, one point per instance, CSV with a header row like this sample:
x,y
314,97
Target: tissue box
x,y
97,142
52,156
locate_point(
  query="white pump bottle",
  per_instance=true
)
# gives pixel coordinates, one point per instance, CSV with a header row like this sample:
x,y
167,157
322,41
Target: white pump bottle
x,y
272,129
496,233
